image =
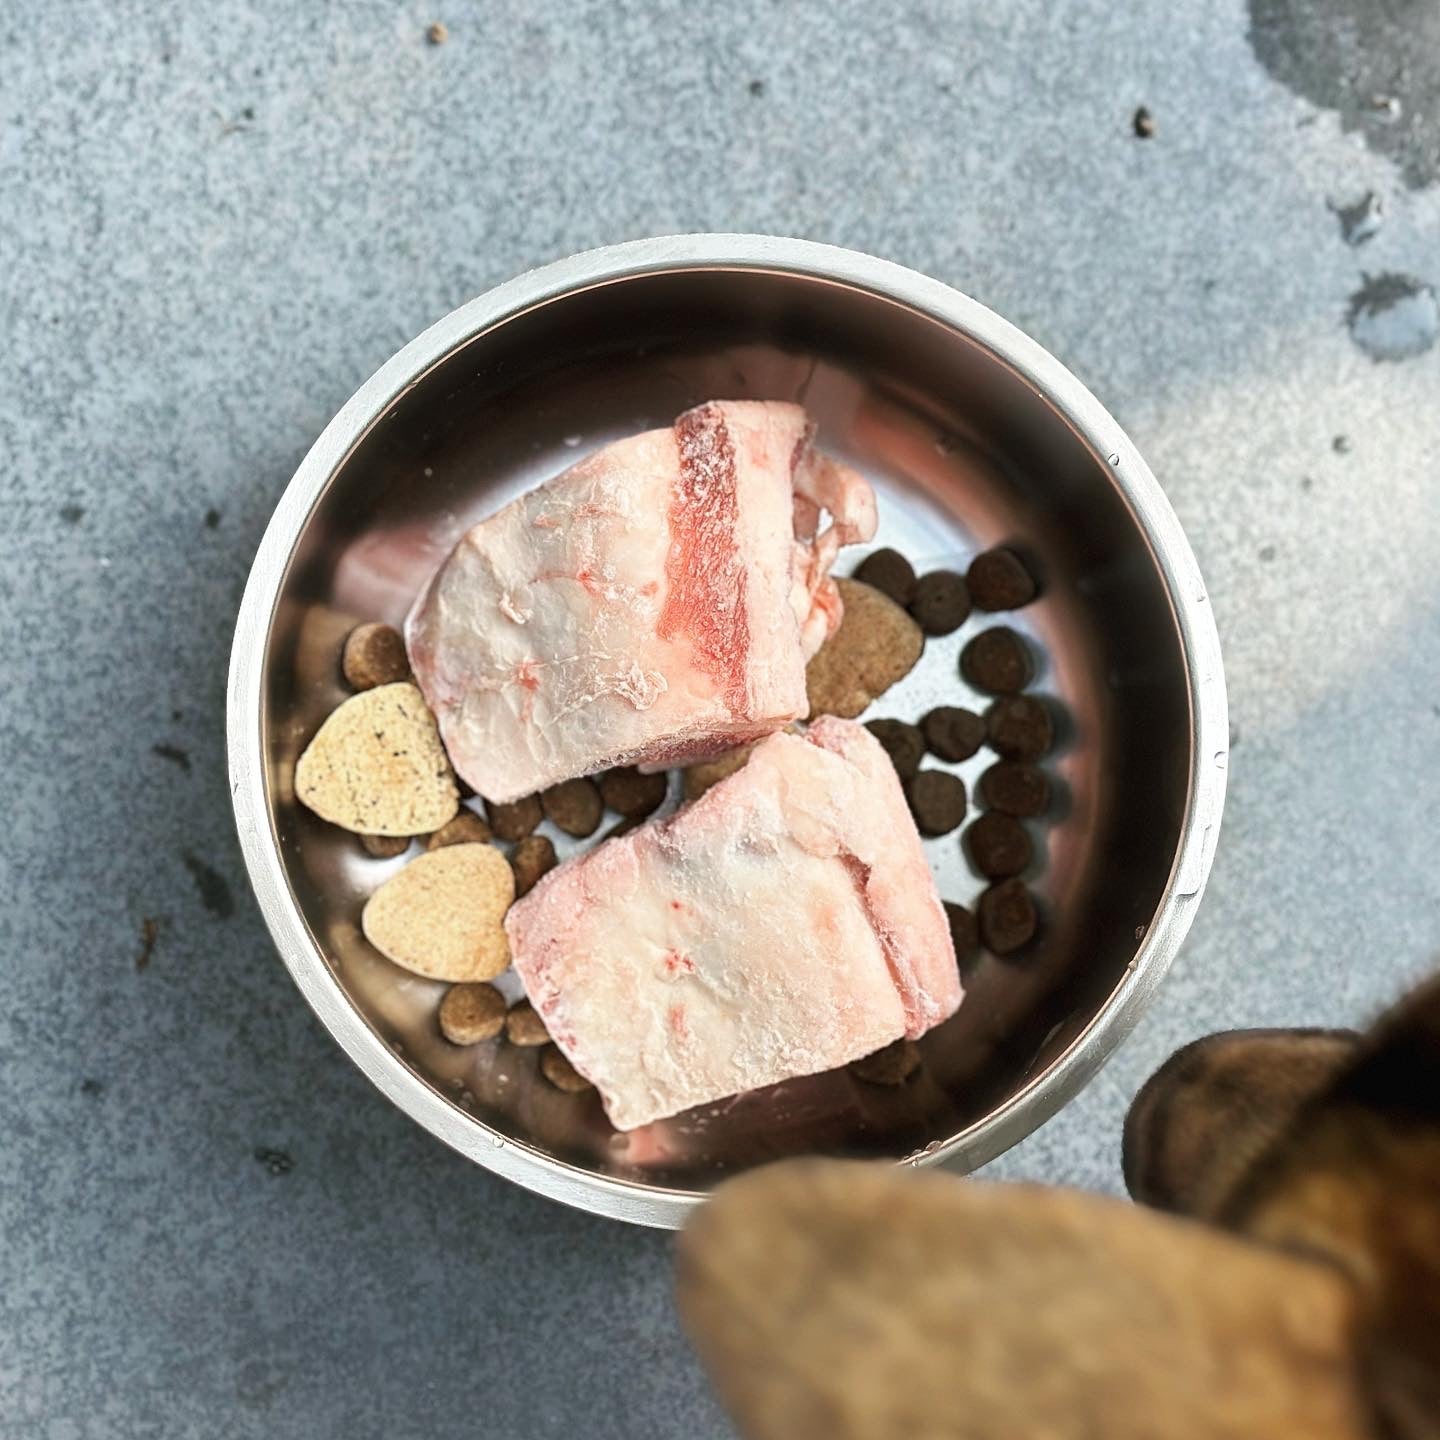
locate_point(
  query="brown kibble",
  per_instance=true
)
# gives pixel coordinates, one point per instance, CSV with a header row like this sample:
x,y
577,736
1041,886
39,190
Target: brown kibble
x,y
467,828
574,806
515,819
889,572
903,743
937,801
998,580
832,1298
561,1073
997,661
1015,788
696,779
942,602
621,827
437,32
629,793
384,847
963,934
893,1064
1008,918
471,1013
1201,1120
374,655
441,915
1019,727
524,1027
999,846
533,857
952,733
876,645
377,767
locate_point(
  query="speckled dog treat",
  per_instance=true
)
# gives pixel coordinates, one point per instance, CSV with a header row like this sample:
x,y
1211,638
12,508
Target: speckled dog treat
x,y
996,661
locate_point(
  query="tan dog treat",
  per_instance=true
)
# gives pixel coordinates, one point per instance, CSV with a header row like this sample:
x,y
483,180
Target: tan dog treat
x,y
471,1013
574,806
440,916
377,767
561,1073
384,847
533,857
698,778
514,821
374,655
467,828
524,1027
876,645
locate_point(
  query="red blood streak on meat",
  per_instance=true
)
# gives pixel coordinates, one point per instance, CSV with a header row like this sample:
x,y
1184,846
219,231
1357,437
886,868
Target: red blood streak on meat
x,y
705,596
545,522
912,1000
677,906
649,588
679,1023
678,964
529,682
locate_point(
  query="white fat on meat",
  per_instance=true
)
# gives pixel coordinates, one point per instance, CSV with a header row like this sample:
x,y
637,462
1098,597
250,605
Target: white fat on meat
x,y
654,604
784,924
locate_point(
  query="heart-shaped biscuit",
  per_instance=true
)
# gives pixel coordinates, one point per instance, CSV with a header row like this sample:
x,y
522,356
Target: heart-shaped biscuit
x,y
876,645
377,766
440,916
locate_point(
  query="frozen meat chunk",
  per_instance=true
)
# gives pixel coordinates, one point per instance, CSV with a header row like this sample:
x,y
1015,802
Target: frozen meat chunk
x,y
654,604
783,924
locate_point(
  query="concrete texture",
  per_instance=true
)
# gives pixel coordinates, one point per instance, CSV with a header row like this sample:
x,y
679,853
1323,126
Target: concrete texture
x,y
214,222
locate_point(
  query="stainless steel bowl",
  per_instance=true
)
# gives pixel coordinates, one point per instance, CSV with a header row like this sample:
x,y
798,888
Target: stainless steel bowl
x,y
973,435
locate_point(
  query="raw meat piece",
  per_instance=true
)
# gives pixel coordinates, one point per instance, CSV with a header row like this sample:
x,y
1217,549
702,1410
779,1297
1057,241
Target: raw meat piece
x,y
654,604
783,924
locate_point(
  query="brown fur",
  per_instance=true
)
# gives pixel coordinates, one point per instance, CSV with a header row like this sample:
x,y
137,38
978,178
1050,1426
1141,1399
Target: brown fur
x,y
858,1302
1203,1117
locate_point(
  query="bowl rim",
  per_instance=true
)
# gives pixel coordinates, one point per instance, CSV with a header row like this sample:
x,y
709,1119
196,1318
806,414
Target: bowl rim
x,y
1033,1103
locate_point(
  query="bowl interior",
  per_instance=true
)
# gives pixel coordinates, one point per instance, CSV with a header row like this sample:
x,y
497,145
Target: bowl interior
x,y
964,454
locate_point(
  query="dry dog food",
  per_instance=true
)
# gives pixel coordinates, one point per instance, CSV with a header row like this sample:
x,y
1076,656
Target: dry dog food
x,y
1015,788
942,602
951,733
1019,727
996,661
937,801
894,1064
1008,918
999,846
629,793
524,1027
696,779
876,645
890,573
376,766
561,1073
467,828
441,915
903,743
515,820
471,1013
374,655
533,857
574,806
998,580
962,930
384,847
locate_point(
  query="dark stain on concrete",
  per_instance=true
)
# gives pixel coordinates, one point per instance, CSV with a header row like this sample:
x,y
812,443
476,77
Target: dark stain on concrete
x,y
1393,317
212,519
72,514
175,754
277,1162
215,894
1362,220
1370,61
149,934
91,1087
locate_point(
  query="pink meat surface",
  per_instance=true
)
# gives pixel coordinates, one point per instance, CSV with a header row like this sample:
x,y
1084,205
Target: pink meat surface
x,y
653,604
785,923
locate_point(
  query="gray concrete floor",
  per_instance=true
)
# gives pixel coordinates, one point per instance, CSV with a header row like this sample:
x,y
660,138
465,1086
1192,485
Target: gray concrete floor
x,y
215,221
